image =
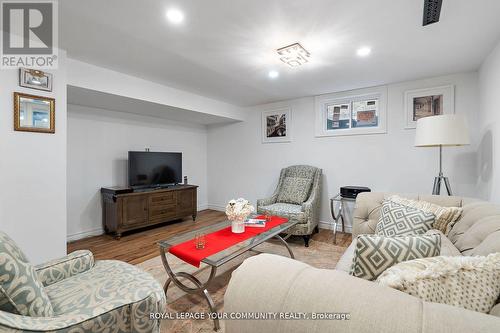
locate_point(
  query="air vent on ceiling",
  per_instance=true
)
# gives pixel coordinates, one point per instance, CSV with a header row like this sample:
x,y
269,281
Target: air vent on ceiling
x,y
432,10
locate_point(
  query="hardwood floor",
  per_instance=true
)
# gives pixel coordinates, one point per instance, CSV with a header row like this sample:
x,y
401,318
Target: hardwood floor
x,y
136,247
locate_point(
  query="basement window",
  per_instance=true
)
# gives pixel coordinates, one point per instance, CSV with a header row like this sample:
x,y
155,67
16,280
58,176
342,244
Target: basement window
x,y
351,113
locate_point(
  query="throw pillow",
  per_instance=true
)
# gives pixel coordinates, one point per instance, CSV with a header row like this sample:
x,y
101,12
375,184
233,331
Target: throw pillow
x,y
447,247
446,217
400,220
20,291
374,254
294,190
472,283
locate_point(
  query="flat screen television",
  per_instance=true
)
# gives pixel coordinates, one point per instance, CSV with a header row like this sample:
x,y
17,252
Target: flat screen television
x,y
154,169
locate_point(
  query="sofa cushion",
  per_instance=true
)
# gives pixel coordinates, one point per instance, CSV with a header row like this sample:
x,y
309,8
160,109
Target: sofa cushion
x,y
20,290
294,190
400,220
290,211
472,283
367,210
59,269
374,254
478,230
495,311
109,284
446,217
283,208
447,247
345,262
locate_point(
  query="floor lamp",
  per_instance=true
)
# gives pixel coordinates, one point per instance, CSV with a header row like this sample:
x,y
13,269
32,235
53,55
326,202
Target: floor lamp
x,y
441,131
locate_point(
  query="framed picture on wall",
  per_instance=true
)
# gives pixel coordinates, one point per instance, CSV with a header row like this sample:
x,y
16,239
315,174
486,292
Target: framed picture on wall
x,y
355,112
276,125
34,113
421,103
35,79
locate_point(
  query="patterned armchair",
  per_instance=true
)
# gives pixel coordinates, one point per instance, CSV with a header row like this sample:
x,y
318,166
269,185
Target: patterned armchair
x,y
75,294
296,197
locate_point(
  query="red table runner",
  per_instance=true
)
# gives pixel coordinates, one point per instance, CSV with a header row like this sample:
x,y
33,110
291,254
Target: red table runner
x,y
219,241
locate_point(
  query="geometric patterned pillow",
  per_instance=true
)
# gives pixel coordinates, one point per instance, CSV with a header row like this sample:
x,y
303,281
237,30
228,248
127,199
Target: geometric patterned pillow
x,y
294,190
400,220
446,217
374,254
20,290
472,283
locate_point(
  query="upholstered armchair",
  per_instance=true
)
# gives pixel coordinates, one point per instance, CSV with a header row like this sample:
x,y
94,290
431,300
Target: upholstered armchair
x,y
296,197
75,294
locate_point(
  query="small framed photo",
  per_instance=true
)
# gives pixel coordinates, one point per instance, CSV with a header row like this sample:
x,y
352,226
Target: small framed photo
x,y
427,102
276,125
35,79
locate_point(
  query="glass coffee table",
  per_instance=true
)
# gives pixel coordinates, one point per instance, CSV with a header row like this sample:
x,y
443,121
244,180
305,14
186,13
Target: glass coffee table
x,y
217,259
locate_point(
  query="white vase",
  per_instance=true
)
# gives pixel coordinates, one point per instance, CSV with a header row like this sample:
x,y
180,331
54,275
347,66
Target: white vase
x,y
238,226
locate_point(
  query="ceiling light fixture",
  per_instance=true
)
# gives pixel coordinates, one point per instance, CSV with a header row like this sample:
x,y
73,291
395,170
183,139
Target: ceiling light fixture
x,y
273,74
363,51
294,55
175,16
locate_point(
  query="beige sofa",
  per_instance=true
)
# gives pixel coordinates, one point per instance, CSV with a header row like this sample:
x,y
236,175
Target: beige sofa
x,y
275,284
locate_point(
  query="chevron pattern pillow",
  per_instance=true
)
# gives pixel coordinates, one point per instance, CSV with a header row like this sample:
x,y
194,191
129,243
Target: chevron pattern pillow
x,y
374,254
401,220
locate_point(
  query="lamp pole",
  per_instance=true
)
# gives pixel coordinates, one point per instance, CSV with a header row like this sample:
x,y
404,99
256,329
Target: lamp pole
x,y
441,178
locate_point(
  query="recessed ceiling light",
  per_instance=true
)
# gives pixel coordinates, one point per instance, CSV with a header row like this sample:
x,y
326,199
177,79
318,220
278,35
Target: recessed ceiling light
x,y
273,74
294,55
363,51
175,16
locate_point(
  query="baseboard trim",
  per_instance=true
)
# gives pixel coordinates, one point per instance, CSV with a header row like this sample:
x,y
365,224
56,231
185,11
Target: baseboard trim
x,y
84,234
322,224
329,226
202,207
216,207
100,231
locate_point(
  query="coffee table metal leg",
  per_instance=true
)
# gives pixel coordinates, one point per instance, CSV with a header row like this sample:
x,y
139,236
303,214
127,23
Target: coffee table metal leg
x,y
201,288
165,286
286,245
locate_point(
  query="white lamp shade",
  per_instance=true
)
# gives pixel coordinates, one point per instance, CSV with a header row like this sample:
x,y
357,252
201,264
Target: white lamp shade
x,y
444,130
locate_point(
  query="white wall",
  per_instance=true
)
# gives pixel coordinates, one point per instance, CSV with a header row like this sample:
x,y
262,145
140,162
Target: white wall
x,y
240,165
98,143
33,173
488,158
84,75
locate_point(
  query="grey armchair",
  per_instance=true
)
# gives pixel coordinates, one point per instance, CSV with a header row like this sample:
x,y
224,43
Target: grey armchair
x,y
296,197
75,294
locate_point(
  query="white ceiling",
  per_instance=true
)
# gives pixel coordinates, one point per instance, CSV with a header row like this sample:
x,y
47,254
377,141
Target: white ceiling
x,y
224,49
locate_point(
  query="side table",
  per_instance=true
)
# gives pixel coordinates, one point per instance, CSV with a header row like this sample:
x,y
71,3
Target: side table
x,y
340,214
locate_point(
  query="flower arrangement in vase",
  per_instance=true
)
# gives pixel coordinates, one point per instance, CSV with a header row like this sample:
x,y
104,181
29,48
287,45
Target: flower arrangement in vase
x,y
237,211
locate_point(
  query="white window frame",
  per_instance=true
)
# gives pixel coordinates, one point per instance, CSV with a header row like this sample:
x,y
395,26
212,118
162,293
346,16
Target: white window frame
x,y
322,101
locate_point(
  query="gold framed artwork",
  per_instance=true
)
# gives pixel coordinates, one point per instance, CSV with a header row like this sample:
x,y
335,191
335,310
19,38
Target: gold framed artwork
x,y
34,113
35,79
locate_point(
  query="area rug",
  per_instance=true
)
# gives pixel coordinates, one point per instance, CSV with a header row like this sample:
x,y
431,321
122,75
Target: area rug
x,y
321,253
